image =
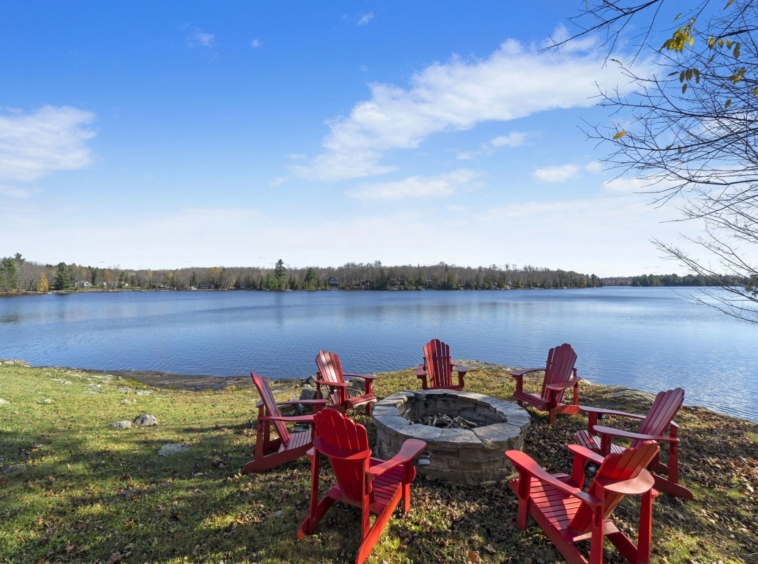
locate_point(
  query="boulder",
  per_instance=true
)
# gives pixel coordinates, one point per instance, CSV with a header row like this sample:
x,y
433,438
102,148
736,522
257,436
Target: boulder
x,y
144,392
145,420
170,449
14,469
308,393
121,424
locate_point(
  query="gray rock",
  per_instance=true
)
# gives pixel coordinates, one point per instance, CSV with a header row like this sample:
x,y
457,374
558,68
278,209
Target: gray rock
x,y
46,401
14,469
121,424
3,402
124,390
144,392
170,449
11,362
308,393
310,381
145,420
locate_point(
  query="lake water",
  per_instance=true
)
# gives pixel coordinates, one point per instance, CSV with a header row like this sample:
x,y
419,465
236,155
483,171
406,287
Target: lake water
x,y
646,338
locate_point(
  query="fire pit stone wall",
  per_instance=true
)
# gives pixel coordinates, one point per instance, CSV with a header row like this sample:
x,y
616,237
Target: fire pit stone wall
x,y
459,456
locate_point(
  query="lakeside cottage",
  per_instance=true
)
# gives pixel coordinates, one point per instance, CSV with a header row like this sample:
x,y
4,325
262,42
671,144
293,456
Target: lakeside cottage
x,y
333,282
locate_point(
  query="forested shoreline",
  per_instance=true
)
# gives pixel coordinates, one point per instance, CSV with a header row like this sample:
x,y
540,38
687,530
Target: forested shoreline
x,y
19,275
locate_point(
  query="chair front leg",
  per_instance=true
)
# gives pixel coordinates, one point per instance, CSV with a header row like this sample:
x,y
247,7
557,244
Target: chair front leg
x,y
673,468
596,542
645,533
576,392
524,499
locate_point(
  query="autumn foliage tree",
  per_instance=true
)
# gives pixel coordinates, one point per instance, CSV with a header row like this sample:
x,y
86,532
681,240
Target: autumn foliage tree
x,y
690,128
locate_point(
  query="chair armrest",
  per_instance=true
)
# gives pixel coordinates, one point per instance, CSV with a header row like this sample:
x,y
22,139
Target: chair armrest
x,y
586,453
516,373
364,376
603,430
525,463
332,384
636,486
603,411
459,367
288,419
408,452
420,371
304,402
558,387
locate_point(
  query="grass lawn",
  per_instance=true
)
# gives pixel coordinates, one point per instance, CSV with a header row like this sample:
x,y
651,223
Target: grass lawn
x,y
72,489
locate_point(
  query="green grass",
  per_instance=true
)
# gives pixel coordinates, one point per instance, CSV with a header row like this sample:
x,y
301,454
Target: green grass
x,y
90,493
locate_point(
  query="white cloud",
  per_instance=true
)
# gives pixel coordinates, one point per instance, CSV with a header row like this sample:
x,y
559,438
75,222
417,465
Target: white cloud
x,y
365,18
415,186
16,192
33,145
514,82
513,139
278,181
595,167
255,43
556,173
199,38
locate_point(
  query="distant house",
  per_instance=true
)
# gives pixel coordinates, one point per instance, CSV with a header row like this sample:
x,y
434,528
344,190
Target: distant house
x,y
333,282
83,284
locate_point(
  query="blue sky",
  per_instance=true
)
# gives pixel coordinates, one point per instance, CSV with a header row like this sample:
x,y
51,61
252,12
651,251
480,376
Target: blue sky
x,y
171,134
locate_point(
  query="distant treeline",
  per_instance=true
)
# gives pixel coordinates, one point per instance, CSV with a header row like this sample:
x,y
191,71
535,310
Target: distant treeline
x,y
19,275
674,280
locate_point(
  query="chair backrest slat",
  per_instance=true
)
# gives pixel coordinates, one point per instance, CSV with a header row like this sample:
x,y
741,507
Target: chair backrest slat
x,y
438,364
661,413
329,367
268,400
616,467
339,431
559,368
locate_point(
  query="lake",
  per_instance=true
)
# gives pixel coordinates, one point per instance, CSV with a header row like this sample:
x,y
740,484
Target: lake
x,y
651,339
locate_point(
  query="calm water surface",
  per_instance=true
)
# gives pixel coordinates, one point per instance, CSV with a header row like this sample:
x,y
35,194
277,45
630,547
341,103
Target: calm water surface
x,y
646,338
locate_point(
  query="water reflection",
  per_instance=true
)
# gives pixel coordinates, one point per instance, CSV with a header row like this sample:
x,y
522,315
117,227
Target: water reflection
x,y
648,338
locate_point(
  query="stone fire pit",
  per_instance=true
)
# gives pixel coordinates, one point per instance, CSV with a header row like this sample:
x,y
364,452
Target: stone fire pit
x,y
458,456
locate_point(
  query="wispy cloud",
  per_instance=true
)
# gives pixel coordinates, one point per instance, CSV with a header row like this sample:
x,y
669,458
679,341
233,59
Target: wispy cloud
x,y
198,38
415,186
514,82
35,144
512,139
16,192
595,167
255,43
556,173
365,18
278,181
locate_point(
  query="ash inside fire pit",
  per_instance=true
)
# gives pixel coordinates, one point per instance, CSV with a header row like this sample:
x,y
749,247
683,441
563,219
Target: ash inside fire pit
x,y
466,433
444,421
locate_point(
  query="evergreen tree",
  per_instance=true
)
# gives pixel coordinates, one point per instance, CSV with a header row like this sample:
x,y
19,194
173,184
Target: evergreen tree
x,y
311,279
11,277
62,277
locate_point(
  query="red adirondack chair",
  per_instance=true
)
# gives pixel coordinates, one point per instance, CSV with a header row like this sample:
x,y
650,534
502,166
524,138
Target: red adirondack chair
x,y
373,485
289,446
330,374
558,371
438,368
599,438
567,514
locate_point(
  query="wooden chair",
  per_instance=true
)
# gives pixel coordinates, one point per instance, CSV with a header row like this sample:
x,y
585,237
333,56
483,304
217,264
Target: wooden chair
x,y
438,368
558,371
599,438
289,446
567,514
330,374
373,485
